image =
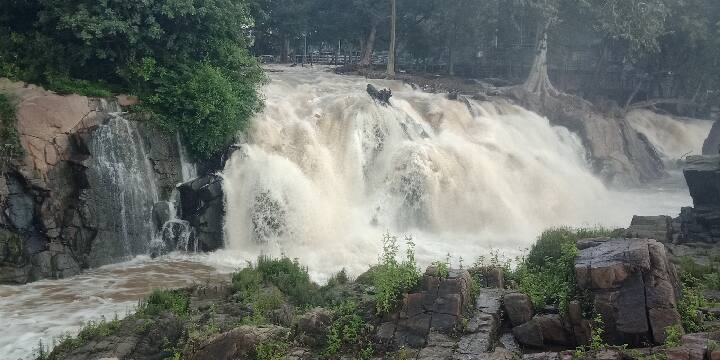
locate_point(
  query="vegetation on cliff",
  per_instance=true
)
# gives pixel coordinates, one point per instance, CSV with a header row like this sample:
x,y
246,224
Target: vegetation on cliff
x,y
10,146
187,61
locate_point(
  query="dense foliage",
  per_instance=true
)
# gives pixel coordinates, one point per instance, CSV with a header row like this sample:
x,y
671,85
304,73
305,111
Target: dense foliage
x,y
187,60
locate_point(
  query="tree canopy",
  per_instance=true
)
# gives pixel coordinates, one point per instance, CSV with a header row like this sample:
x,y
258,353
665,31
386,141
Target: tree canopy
x,y
157,49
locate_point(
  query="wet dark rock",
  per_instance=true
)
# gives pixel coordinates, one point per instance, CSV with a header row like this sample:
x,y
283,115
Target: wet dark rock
x,y
382,96
711,146
202,205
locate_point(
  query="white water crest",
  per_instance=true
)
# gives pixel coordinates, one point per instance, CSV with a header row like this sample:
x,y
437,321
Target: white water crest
x,y
674,137
326,170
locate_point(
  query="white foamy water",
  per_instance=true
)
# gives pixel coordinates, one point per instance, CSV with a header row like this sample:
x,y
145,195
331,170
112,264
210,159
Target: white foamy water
x,y
326,171
673,137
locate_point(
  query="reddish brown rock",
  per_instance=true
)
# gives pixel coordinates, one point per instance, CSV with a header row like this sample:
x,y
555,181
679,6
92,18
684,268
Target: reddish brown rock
x,y
633,286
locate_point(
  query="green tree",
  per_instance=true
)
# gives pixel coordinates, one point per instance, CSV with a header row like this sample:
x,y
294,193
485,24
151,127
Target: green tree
x,y
144,47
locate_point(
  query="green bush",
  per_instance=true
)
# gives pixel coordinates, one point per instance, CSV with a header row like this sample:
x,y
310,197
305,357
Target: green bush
x,y
159,301
547,274
65,85
393,278
290,277
347,332
272,350
186,60
690,303
10,146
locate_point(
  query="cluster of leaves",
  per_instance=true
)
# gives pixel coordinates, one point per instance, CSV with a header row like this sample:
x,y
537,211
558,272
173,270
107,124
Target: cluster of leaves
x,y
91,330
159,301
393,278
443,267
547,273
272,350
690,303
10,146
348,332
187,60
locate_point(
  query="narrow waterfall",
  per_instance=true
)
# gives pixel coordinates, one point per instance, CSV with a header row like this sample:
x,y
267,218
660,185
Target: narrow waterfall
x,y
674,137
326,171
188,169
122,191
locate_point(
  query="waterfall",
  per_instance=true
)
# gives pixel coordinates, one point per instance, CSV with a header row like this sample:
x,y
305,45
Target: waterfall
x,y
188,169
326,170
674,137
122,191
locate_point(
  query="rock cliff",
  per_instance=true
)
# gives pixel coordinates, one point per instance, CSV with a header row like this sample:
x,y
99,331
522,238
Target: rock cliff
x,y
60,212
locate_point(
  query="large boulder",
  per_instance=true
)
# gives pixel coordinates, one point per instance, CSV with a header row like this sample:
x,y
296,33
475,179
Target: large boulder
x,y
633,286
545,330
238,343
518,307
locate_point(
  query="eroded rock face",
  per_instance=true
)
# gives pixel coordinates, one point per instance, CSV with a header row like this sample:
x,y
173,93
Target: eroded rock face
x,y
48,227
633,286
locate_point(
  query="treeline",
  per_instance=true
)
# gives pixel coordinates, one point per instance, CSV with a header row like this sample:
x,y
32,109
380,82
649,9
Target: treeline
x,y
188,61
653,48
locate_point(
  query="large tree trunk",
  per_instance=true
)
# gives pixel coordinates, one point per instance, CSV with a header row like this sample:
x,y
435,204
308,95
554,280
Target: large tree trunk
x,y
366,59
285,52
391,51
538,81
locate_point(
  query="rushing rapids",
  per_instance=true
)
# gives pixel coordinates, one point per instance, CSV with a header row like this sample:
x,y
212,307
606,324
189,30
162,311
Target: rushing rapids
x,y
324,171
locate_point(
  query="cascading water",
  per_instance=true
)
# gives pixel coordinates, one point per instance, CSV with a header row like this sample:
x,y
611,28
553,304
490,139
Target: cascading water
x,y
122,192
175,233
326,170
673,137
187,168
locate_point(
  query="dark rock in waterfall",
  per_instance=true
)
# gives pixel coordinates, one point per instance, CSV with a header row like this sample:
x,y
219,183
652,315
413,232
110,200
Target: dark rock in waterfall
x,y
702,174
633,286
711,146
382,96
202,205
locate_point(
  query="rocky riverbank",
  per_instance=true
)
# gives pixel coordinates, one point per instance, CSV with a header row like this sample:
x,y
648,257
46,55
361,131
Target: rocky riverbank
x,y
647,292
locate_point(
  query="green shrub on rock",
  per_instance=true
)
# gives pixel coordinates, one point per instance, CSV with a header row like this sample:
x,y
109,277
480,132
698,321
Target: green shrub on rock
x,y
159,301
393,278
547,273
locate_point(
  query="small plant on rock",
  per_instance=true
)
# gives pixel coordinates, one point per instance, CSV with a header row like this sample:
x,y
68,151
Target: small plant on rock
x,y
394,278
673,336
